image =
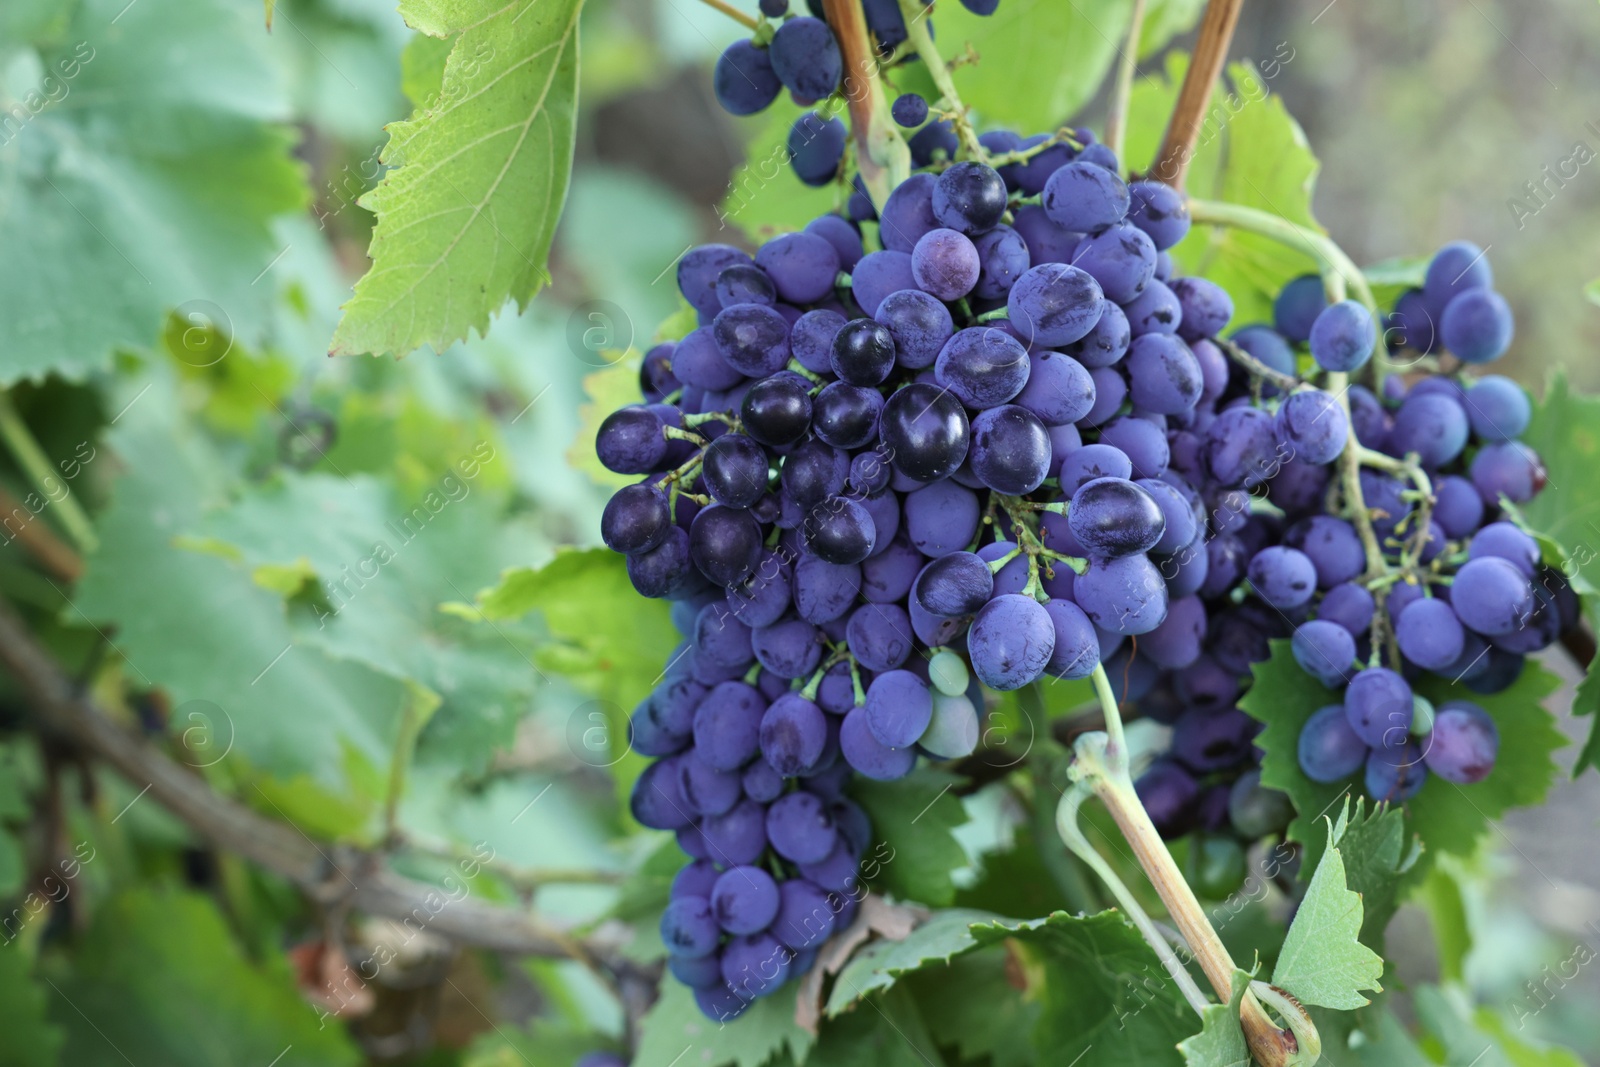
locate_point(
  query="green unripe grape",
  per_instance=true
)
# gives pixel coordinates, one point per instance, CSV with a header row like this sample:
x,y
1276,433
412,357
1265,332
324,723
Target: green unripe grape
x,y
1215,867
948,673
953,730
1256,810
1421,716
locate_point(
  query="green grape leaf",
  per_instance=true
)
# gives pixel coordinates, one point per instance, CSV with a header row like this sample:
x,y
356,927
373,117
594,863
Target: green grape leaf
x,y
1477,1035
1250,151
1220,1042
220,645
971,1004
422,69
764,195
468,208
1039,60
1379,856
1323,961
1442,896
891,1030
1102,989
1164,20
676,1032
1014,882
145,177
1445,816
914,850
115,1015
939,940
31,1040
1565,432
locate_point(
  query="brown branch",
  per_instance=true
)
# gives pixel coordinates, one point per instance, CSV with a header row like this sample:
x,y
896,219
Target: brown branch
x,y
39,540
864,94
1210,53
325,872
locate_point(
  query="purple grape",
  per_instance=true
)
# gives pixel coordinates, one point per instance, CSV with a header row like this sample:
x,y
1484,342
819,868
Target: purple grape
x,y
1477,326
1155,310
879,636
1168,793
743,80
879,274
719,1003
752,338
941,518
824,591
955,584
843,235
1207,741
926,430
1396,774
636,519
745,284
1160,211
1498,408
1110,390
982,367
1113,517
1325,650
969,197
1454,269
1082,196
1177,642
907,215
1003,258
1312,426
631,441
1011,642
1378,703
755,965
909,110
1492,596
1047,242
899,705
1409,325
806,57
887,577
1010,449
1510,469
806,914
945,263
1242,448
1429,634
934,141
1144,443
1431,425
1329,750
811,342
1053,304
1163,374
803,266
1207,307
801,829
1077,650
1107,342
1122,596
789,648
1297,306
845,416
793,734
657,798
662,570
919,325
1463,744
871,757
1332,545
1508,542
1086,464
689,927
725,544
1342,336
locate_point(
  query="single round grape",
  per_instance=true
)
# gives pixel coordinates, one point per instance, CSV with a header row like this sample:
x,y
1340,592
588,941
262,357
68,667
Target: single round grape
x,y
735,470
1207,307
1076,652
1329,750
695,879
1429,634
755,965
745,899
843,235
1283,577
969,197
1313,426
1163,375
925,430
719,1003
885,20
870,757
1084,197
1110,390
1498,408
1457,507
1160,211
1477,326
879,636
1181,518
1242,448
1122,596
840,530
945,263
953,585
1002,259
793,734
806,57
720,638
1491,596
1326,651
801,829
636,519
660,571
816,148
1342,337
1143,441
743,80
846,416
745,283
1107,342
811,342
1257,810
1396,774
1464,743
752,338
1214,369
1053,304
790,647
1120,258
877,275
824,591
1431,425
1510,469
1011,641
934,141
802,266
1113,517
689,928
910,110
725,544
1378,703
806,915
657,798
982,366
702,973
1507,541
907,215
1010,450
777,410
727,725
1085,464
1155,310
953,728
863,352
631,441
1059,390
1454,269
1178,641
1332,545
941,518
947,673
1047,242
1297,306
919,324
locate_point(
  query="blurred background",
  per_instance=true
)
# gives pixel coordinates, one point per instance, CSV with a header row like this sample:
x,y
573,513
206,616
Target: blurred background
x,y
1433,120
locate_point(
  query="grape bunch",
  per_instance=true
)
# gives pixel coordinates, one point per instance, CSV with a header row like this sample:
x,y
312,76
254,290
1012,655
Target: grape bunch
x,y
801,54
1009,445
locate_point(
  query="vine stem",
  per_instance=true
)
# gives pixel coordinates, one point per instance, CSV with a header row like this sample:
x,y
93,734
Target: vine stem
x,y
1188,114
1122,88
1101,765
1337,269
37,466
917,27
1072,835
882,158
1287,382
734,13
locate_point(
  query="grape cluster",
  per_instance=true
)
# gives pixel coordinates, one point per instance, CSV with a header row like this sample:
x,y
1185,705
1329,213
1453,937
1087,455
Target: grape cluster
x,y
1008,445
1463,592
801,54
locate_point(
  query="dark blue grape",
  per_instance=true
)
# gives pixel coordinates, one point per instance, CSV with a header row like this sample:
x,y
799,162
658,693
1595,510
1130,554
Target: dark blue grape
x,y
1326,651
1054,304
1010,449
1011,641
1002,259
909,110
636,519
1121,258
919,323
1297,306
1328,749
982,367
752,338
969,197
1163,375
803,266
744,81
1113,517
806,57
1477,326
907,215
1160,211
1313,426
777,410
879,274
945,263
1342,337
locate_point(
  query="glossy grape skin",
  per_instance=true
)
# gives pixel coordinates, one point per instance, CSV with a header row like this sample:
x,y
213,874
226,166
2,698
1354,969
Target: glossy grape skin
x,y
636,519
630,441
777,410
919,325
1379,705
945,263
735,470
1011,641
1326,651
1463,744
1328,749
1113,517
969,197
926,431
1054,304
659,571
954,585
816,148
982,367
1010,450
1342,337
907,215
1123,596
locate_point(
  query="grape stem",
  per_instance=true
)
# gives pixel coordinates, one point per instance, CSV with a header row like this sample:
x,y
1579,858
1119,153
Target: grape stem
x,y
1100,763
1286,382
1332,261
882,158
916,14
1122,87
1021,155
992,316
41,472
1072,836
734,13
1188,114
